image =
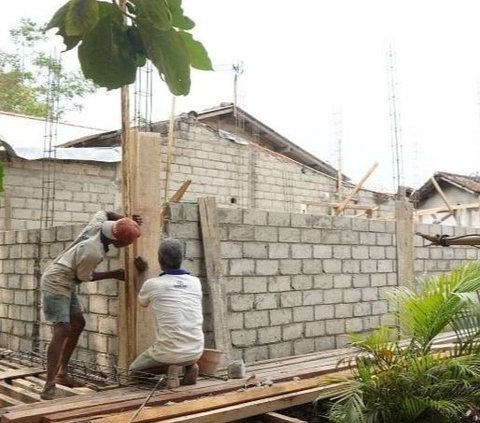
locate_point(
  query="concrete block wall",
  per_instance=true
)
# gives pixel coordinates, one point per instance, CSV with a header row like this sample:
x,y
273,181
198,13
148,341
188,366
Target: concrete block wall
x,y
238,175
81,188
24,255
295,283
250,176
299,283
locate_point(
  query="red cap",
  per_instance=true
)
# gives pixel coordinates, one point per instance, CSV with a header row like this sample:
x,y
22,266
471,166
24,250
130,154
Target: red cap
x,y
126,230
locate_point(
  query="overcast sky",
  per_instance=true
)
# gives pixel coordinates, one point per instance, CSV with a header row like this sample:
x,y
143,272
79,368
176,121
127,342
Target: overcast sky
x,y
316,71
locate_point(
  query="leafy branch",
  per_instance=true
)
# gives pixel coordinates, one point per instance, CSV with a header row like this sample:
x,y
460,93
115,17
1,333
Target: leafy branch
x,y
110,50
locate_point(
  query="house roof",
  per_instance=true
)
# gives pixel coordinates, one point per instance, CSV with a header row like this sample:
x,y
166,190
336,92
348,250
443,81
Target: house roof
x,y
229,114
21,131
471,184
269,138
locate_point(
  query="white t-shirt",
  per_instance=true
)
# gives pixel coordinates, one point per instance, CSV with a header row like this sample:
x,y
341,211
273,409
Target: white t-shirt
x,y
176,302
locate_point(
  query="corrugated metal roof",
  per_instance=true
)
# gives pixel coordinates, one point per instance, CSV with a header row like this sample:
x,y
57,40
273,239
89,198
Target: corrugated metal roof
x,y
24,131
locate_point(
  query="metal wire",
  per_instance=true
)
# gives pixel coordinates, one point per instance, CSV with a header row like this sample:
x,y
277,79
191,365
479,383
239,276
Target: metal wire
x,y
92,373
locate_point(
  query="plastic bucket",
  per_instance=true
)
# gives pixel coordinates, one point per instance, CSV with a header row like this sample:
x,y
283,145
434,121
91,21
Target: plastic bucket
x,y
211,361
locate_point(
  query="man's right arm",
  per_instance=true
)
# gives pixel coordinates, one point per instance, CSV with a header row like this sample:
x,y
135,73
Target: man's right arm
x,y
142,269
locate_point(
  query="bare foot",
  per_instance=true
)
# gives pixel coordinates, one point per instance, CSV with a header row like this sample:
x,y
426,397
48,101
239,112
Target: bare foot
x,y
48,392
190,376
172,376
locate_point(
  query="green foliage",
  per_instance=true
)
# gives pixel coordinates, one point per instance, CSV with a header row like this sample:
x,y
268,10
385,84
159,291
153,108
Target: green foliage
x,y
111,49
25,75
398,377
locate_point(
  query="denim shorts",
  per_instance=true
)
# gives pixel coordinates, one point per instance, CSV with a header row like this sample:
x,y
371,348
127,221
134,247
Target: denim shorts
x,y
57,308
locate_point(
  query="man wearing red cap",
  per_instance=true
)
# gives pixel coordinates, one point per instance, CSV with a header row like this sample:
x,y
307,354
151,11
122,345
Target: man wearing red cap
x,y
77,264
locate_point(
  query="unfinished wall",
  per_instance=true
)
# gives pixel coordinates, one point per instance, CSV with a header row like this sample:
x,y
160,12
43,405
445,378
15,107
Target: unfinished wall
x,y
81,188
238,175
295,283
250,176
23,256
298,283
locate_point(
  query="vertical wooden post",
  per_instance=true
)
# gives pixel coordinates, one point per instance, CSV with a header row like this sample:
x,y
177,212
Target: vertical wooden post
x,y
213,264
405,249
171,130
127,297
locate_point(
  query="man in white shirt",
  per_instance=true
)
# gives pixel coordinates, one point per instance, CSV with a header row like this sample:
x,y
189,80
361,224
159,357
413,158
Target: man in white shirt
x,y
175,298
76,264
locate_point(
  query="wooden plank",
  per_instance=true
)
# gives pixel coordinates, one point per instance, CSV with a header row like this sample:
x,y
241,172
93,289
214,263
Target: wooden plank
x,y
231,412
175,198
11,374
192,393
147,201
36,385
213,264
171,133
127,294
7,401
357,188
467,206
19,394
210,403
273,417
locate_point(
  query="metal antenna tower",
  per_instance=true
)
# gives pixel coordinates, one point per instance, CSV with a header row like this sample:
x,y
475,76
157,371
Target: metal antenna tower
x,y
338,129
396,142
238,69
47,209
143,99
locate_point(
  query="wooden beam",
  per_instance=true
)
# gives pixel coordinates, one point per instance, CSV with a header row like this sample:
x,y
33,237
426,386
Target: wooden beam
x,y
127,300
19,394
253,408
357,188
175,198
171,130
11,374
147,199
454,207
7,401
442,195
231,399
213,264
336,205
273,417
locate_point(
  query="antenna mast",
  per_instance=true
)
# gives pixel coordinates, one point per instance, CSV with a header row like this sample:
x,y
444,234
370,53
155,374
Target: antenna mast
x,y
338,127
238,69
396,143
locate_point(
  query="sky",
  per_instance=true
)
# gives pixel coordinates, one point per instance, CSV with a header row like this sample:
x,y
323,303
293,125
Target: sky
x,y
316,71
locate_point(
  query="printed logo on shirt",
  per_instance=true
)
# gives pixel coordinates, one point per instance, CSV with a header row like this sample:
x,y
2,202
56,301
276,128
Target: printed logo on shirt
x,y
179,284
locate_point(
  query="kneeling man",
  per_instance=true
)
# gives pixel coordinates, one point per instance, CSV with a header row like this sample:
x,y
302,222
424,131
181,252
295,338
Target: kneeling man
x,y
175,298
